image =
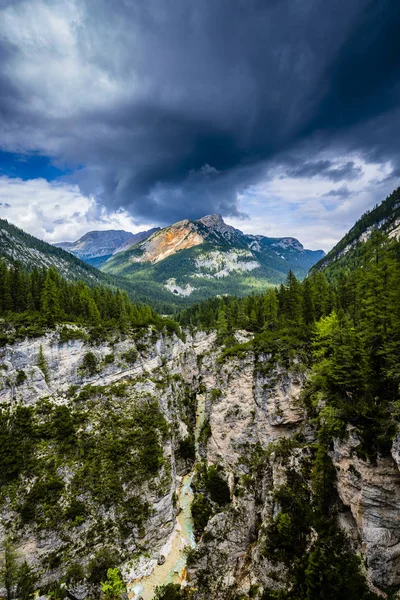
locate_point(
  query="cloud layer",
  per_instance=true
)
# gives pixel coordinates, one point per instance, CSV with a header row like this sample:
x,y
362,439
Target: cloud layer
x,y
57,211
176,109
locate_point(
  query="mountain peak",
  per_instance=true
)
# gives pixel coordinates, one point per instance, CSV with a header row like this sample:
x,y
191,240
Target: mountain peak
x,y
217,225
212,220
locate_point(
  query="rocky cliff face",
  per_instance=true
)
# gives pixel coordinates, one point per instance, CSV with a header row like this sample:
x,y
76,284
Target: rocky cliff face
x,y
258,435
125,380
256,423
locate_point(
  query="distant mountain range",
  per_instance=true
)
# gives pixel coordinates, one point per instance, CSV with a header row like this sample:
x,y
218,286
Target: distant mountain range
x,y
170,267
96,247
192,260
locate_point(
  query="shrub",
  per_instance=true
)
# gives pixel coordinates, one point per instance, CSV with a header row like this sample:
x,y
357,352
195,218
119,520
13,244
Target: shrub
x,y
130,355
215,394
76,510
21,377
217,486
99,565
89,364
113,588
42,364
45,494
171,591
68,333
186,449
205,432
201,512
26,580
75,573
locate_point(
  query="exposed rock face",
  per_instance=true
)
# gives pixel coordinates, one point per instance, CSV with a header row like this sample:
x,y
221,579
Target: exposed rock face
x,y
168,241
252,406
372,492
158,360
217,225
259,405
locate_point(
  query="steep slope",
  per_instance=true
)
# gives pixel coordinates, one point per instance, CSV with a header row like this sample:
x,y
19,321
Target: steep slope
x,y
239,459
193,260
95,247
385,218
16,245
287,452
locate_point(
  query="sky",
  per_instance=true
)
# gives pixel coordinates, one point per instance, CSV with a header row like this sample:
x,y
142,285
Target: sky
x,y
281,115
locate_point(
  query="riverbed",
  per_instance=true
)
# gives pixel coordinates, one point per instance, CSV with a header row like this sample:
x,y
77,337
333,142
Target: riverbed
x,y
173,570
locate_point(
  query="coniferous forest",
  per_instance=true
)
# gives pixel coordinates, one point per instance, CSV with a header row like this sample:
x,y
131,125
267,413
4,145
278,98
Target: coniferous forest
x,y
32,301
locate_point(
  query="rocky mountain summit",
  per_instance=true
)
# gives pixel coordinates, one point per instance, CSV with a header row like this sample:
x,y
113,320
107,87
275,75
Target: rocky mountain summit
x,y
192,260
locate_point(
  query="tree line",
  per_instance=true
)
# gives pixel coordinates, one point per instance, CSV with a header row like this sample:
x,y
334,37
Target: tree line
x,y
43,296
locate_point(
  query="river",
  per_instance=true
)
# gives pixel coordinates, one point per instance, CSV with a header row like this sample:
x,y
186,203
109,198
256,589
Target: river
x,y
181,540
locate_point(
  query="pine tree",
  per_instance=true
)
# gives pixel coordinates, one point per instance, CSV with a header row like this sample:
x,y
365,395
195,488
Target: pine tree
x,y
42,364
26,581
8,302
3,277
293,308
308,303
222,323
8,569
50,297
113,588
242,318
270,307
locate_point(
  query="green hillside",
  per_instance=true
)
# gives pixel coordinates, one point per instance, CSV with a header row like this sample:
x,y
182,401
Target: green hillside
x,y
348,253
221,260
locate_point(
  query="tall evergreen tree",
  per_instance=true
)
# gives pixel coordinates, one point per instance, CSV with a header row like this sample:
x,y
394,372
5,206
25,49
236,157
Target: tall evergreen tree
x,y
51,297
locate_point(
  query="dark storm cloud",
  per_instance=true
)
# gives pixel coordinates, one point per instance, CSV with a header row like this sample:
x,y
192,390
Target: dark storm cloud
x,y
171,109
327,170
342,192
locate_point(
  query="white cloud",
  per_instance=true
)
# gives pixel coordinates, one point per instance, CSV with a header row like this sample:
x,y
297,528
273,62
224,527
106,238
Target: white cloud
x,y
299,207
280,206
57,211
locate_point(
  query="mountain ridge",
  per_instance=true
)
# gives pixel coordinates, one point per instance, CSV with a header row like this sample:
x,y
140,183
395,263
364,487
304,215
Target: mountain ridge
x,y
97,246
384,217
205,257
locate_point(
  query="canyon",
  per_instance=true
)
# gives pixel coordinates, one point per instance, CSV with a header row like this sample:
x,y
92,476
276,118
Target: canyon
x,y
259,435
